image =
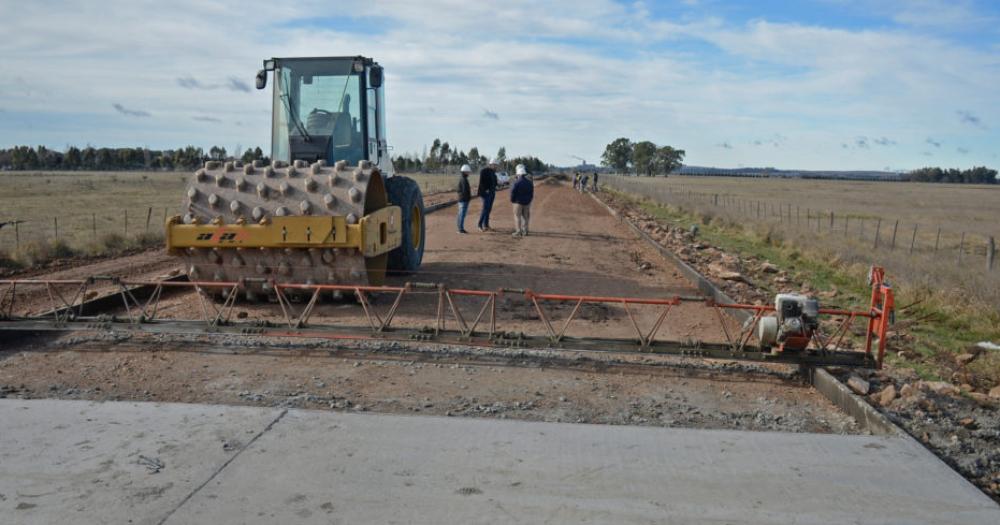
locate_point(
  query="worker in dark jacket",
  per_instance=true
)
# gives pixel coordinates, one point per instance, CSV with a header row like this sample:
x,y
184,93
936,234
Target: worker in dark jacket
x,y
487,191
464,196
521,195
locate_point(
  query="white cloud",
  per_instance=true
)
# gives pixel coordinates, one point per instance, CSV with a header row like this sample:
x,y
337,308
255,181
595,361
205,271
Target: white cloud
x,y
565,76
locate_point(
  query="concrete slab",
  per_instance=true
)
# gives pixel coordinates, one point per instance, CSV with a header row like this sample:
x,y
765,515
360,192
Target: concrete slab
x,y
79,461
323,467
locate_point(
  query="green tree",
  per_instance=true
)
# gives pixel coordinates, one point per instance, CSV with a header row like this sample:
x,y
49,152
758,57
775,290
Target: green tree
x,y
73,158
501,158
618,154
474,155
644,158
217,153
668,159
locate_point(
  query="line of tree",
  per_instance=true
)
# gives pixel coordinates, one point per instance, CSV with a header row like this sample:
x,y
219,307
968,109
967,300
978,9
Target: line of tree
x,y
642,158
104,159
442,156
977,175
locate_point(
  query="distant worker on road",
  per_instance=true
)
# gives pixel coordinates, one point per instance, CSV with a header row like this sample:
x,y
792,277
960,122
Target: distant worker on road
x,y
487,191
521,195
583,184
464,196
595,181
576,180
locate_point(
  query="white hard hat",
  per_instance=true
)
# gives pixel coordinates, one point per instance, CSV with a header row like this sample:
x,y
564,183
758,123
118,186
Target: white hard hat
x,y
493,162
520,170
466,168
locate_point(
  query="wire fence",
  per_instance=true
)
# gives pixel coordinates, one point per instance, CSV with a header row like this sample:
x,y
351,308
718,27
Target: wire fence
x,y
83,230
966,249
936,256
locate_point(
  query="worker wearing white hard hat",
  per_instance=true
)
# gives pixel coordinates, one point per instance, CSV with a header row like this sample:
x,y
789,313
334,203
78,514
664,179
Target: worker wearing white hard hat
x,y
464,196
521,195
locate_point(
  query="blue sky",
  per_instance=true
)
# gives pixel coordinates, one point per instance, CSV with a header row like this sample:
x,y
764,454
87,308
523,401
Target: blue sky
x,y
814,84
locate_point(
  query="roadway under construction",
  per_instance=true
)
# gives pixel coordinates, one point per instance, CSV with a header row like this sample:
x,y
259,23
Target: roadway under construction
x,y
583,321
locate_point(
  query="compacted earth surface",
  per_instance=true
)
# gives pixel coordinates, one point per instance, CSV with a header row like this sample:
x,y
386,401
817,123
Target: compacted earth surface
x,y
574,247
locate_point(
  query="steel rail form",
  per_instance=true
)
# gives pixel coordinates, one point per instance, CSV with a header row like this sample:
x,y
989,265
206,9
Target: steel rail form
x,y
140,301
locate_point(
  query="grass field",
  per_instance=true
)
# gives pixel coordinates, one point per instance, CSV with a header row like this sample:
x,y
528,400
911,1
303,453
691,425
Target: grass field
x,y
77,211
956,208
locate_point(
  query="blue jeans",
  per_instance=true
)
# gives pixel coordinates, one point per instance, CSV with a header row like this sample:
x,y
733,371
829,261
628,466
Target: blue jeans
x,y
484,216
463,208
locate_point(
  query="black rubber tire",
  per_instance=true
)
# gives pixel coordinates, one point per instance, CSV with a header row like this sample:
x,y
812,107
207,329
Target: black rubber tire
x,y
405,193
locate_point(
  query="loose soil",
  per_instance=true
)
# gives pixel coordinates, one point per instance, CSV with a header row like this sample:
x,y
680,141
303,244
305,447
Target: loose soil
x,y
384,380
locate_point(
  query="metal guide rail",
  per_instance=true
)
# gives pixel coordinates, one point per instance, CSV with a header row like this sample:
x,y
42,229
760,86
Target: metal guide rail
x,y
138,307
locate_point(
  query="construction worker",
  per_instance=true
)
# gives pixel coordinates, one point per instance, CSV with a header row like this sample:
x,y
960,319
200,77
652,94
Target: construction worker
x,y
487,191
595,181
583,184
464,196
576,180
521,194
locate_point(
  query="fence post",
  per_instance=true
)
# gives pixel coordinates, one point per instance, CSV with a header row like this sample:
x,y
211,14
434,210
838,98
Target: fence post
x,y
831,220
55,226
17,235
913,238
991,252
878,228
164,216
93,225
894,228
126,222
715,198
961,248
845,224
149,216
937,240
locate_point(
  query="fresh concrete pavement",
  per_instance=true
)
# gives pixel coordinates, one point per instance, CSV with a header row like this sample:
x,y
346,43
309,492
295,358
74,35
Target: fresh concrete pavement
x,y
86,462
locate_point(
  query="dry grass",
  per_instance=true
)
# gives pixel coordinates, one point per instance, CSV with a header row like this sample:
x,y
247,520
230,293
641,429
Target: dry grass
x,y
856,208
431,183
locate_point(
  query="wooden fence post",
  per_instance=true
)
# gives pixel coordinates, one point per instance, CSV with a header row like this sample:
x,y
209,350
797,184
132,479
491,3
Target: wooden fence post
x,y
937,240
126,222
961,248
17,235
878,228
845,224
149,216
894,228
991,252
55,226
93,225
913,238
831,220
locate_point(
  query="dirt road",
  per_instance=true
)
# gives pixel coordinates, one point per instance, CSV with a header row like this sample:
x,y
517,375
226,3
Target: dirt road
x,y
574,246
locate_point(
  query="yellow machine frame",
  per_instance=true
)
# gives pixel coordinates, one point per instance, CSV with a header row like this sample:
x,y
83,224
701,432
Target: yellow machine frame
x,y
375,234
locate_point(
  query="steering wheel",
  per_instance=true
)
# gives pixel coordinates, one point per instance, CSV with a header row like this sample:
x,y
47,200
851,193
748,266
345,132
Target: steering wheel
x,y
317,111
